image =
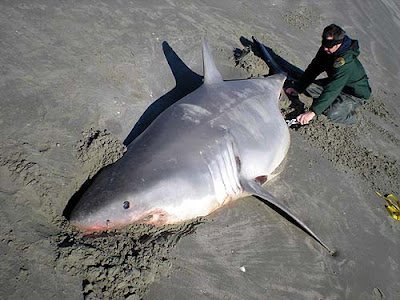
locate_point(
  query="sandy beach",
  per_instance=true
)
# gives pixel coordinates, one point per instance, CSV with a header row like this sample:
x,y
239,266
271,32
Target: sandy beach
x,y
77,76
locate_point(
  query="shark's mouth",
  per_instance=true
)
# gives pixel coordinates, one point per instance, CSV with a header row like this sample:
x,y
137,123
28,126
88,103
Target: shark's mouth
x,y
155,216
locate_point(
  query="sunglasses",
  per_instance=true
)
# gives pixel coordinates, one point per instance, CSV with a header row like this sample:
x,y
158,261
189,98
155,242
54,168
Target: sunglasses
x,y
330,43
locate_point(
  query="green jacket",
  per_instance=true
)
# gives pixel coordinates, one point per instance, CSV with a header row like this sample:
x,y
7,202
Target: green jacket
x,y
345,73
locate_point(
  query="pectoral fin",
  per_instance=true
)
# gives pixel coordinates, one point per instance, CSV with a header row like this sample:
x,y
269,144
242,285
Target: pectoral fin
x,y
255,189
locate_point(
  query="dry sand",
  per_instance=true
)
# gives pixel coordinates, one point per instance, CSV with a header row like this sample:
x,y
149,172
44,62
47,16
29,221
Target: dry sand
x,y
77,76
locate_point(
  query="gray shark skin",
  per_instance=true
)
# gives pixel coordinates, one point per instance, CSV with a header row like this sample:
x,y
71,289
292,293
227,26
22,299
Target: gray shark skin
x,y
209,148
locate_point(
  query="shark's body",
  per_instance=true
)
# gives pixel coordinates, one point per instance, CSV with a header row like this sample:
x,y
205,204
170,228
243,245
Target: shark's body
x,y
217,144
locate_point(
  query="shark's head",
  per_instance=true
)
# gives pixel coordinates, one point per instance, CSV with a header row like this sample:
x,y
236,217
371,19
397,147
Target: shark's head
x,y
110,205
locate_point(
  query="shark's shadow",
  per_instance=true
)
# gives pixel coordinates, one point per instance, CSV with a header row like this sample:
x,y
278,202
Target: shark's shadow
x,y
186,82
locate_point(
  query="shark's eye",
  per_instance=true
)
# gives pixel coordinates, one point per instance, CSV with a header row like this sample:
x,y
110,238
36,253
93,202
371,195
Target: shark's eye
x,y
126,205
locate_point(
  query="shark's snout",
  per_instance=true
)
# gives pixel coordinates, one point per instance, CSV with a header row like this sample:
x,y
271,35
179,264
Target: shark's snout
x,y
86,223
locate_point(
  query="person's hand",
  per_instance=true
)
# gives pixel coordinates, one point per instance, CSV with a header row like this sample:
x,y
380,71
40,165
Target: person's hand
x,y
306,117
291,92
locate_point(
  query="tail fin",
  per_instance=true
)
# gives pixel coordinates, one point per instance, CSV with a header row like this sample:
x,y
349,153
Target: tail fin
x,y
211,74
275,68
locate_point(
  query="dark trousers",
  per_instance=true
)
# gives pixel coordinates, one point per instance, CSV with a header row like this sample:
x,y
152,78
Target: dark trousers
x,y
343,109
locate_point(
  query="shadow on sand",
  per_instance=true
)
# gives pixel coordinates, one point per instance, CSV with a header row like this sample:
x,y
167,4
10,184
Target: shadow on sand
x,y
186,82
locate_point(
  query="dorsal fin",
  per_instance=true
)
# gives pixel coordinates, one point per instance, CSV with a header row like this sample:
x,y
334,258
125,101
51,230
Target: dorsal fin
x,y
211,74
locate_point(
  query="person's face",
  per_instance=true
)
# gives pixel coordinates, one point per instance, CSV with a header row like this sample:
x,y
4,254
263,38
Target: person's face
x,y
332,49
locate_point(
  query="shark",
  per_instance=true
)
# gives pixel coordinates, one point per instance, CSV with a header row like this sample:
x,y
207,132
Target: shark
x,y
219,143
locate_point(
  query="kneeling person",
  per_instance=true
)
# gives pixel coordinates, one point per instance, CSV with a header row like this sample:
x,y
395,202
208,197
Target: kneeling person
x,y
346,86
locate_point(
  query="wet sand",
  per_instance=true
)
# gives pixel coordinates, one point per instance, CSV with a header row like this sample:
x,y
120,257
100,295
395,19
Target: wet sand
x,y
76,78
